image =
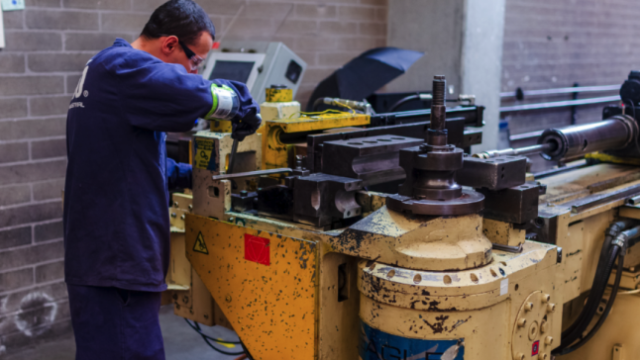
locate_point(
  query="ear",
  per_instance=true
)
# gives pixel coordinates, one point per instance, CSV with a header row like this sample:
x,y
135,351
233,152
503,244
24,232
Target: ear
x,y
169,45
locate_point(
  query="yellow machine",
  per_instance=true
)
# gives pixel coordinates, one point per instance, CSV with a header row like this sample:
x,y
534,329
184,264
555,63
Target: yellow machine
x,y
472,258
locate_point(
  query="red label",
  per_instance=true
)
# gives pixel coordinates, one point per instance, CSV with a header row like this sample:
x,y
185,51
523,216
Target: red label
x,y
535,347
256,249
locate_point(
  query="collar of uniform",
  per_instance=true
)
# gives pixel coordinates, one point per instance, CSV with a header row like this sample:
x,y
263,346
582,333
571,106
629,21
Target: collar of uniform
x,y
121,42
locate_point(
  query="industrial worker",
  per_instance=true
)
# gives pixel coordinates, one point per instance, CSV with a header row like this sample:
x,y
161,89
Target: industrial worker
x,y
116,219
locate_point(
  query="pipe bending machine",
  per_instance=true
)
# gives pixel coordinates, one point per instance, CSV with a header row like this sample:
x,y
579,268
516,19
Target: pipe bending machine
x,y
384,240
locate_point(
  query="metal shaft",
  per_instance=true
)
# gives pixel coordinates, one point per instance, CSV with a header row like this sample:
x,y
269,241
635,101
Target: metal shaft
x,y
252,174
518,151
232,156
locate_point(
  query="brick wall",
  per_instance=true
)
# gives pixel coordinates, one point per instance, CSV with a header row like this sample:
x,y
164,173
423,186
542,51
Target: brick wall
x,y
550,44
47,47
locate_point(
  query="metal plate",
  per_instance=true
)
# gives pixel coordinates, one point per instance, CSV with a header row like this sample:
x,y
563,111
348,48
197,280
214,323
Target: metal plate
x,y
470,202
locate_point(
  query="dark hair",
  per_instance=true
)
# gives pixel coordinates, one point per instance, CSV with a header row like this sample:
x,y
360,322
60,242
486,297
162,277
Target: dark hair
x,y
182,18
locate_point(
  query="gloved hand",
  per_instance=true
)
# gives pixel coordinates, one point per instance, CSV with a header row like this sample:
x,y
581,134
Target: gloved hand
x,y
248,119
246,126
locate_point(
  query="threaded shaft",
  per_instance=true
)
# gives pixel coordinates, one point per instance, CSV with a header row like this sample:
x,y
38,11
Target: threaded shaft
x,y
439,93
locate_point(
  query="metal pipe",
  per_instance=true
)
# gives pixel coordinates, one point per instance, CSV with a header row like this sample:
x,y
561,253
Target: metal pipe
x,y
252,174
514,152
634,200
559,91
557,104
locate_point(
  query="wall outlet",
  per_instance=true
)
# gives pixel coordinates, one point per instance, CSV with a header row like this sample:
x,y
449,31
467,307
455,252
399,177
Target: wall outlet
x,y
11,5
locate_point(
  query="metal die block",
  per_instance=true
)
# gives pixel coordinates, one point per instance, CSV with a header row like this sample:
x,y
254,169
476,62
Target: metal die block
x,y
516,205
503,233
320,199
373,159
493,174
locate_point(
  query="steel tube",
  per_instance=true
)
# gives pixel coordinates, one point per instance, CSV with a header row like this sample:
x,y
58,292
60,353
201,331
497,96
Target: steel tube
x,y
567,90
513,152
557,104
252,173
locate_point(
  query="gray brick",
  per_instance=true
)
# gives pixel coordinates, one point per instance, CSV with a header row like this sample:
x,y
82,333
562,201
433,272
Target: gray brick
x,y
50,231
101,4
48,190
49,105
338,28
16,340
91,41
25,256
58,62
13,108
315,11
298,28
336,58
268,10
373,29
30,213
16,279
357,13
50,272
359,44
33,41
72,82
14,237
61,20
13,20
48,149
14,194
11,63
147,5
14,152
221,7
124,21
31,85
43,3
15,174
31,129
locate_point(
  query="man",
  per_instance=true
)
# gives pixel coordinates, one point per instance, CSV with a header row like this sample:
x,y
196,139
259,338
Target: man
x,y
116,222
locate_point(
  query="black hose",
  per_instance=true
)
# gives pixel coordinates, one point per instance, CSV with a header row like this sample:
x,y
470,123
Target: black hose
x,y
403,101
318,102
603,271
607,310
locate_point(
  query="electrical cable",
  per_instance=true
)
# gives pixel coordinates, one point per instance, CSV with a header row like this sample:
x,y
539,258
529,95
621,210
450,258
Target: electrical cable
x,y
607,310
208,338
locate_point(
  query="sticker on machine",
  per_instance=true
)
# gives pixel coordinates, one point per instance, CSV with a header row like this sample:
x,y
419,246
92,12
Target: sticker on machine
x,y
257,249
200,246
379,345
204,154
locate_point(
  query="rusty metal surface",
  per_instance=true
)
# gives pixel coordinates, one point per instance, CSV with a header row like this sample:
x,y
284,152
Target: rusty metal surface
x,y
373,159
470,202
496,173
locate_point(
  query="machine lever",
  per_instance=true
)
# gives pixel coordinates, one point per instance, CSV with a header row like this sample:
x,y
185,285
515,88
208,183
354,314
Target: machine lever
x,y
252,174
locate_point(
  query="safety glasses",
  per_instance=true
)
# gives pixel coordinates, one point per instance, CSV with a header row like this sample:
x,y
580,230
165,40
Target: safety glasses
x,y
193,58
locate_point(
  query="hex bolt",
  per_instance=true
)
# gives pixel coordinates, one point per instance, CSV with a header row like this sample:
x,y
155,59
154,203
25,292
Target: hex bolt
x,y
522,322
543,356
173,215
190,207
519,356
551,308
546,298
528,306
183,216
544,326
175,203
548,340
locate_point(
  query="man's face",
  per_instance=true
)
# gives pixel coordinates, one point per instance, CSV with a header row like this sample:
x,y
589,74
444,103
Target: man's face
x,y
187,55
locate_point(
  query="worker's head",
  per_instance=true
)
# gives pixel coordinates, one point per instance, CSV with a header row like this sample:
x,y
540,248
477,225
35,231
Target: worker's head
x,y
179,32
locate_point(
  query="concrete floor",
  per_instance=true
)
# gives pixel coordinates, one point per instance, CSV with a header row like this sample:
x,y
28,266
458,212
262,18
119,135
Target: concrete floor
x,y
180,343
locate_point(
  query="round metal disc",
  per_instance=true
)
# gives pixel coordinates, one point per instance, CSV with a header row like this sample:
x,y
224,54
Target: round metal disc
x,y
469,203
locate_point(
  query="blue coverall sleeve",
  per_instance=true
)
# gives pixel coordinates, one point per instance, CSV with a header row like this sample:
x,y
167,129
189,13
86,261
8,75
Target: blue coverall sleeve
x,y
162,97
178,175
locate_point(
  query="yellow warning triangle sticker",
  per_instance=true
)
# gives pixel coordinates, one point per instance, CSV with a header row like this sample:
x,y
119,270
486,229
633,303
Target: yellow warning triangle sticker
x,y
200,246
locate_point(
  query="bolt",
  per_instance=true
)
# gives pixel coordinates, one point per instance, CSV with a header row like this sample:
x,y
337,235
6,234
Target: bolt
x,y
522,322
544,326
543,356
528,306
551,308
228,298
190,207
548,340
546,298
519,356
231,219
173,215
243,193
175,203
183,216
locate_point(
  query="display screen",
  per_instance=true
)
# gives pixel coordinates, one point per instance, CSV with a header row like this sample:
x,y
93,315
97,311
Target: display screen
x,y
232,70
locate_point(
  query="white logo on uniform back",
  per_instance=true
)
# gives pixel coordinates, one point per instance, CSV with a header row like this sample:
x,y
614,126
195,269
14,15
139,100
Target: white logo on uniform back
x,y
86,93
78,91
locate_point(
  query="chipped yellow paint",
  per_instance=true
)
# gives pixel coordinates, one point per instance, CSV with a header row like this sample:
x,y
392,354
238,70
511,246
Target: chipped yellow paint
x,y
504,233
271,307
276,154
279,95
612,159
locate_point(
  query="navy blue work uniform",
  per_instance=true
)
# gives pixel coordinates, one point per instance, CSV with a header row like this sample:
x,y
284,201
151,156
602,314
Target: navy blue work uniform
x,y
116,218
